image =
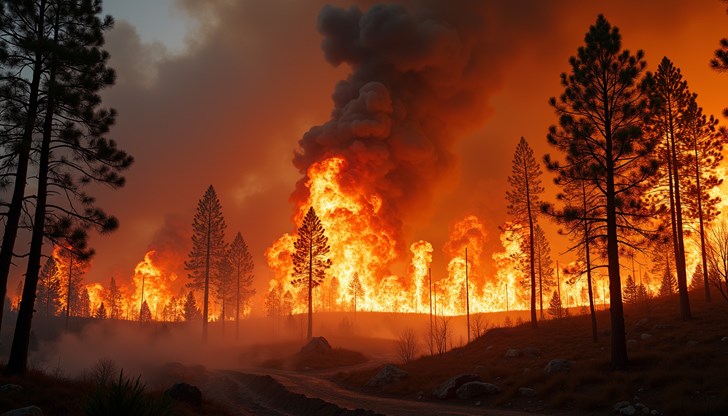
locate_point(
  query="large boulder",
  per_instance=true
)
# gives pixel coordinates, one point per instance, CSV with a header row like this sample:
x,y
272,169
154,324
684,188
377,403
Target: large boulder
x,y
317,345
387,375
183,392
24,411
473,389
558,365
447,389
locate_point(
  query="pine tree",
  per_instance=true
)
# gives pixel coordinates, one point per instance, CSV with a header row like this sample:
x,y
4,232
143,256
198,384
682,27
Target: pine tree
x,y
631,293
720,60
115,300
600,115
704,146
668,96
242,264
309,259
556,309
49,289
72,153
273,302
287,303
523,204
72,262
145,314
668,284
697,281
208,248
190,310
100,312
356,290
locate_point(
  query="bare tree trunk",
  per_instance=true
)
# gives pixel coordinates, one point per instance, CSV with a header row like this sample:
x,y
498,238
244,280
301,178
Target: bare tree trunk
x,y
309,334
682,281
592,313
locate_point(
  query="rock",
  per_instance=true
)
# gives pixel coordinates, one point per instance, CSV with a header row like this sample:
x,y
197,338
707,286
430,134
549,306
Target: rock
x,y
387,375
24,411
558,365
473,389
619,405
8,388
317,344
477,403
646,337
420,395
641,325
654,412
628,410
447,389
526,392
631,342
724,339
183,392
513,352
531,352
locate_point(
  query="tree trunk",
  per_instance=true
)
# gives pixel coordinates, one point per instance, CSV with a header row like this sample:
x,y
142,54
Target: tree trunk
x,y
592,313
237,305
682,281
534,319
205,309
15,210
18,360
701,219
467,294
309,334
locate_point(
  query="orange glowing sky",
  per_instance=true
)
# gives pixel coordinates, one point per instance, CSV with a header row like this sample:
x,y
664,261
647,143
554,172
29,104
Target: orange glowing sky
x,y
229,107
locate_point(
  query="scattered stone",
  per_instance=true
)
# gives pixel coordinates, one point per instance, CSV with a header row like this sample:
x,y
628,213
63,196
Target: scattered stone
x,y
631,342
473,389
317,344
8,388
387,375
654,412
531,352
447,389
724,339
513,352
24,411
692,343
477,403
646,337
628,410
663,326
558,365
619,405
489,347
420,395
526,392
641,325
183,392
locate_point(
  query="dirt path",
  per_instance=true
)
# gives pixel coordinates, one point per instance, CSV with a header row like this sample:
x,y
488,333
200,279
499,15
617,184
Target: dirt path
x,y
261,388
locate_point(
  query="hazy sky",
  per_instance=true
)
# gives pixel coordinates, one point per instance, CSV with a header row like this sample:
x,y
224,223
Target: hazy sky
x,y
219,92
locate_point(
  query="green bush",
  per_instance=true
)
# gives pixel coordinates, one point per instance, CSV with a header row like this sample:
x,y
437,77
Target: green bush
x,y
125,397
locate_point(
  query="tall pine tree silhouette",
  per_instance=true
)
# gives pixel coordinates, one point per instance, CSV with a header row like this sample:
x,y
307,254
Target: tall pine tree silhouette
x,y
242,266
523,205
309,259
600,132
208,249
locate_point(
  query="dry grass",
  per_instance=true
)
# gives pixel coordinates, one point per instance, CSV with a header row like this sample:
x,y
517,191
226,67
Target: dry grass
x,y
63,396
681,370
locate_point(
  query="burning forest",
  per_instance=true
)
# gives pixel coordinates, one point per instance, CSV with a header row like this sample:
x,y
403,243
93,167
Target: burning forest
x,y
420,180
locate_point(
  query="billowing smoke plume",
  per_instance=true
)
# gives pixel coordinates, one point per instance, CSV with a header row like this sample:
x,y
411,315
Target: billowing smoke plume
x,y
421,78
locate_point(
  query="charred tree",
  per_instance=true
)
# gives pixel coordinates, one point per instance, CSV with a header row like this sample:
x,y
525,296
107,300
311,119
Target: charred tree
x,y
242,265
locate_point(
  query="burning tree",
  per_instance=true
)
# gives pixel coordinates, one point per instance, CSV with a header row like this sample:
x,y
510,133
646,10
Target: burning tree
x,y
208,248
600,131
190,311
242,267
355,290
115,299
523,205
309,259
718,257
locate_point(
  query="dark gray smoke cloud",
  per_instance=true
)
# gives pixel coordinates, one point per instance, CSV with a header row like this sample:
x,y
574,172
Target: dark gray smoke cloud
x,y
421,78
